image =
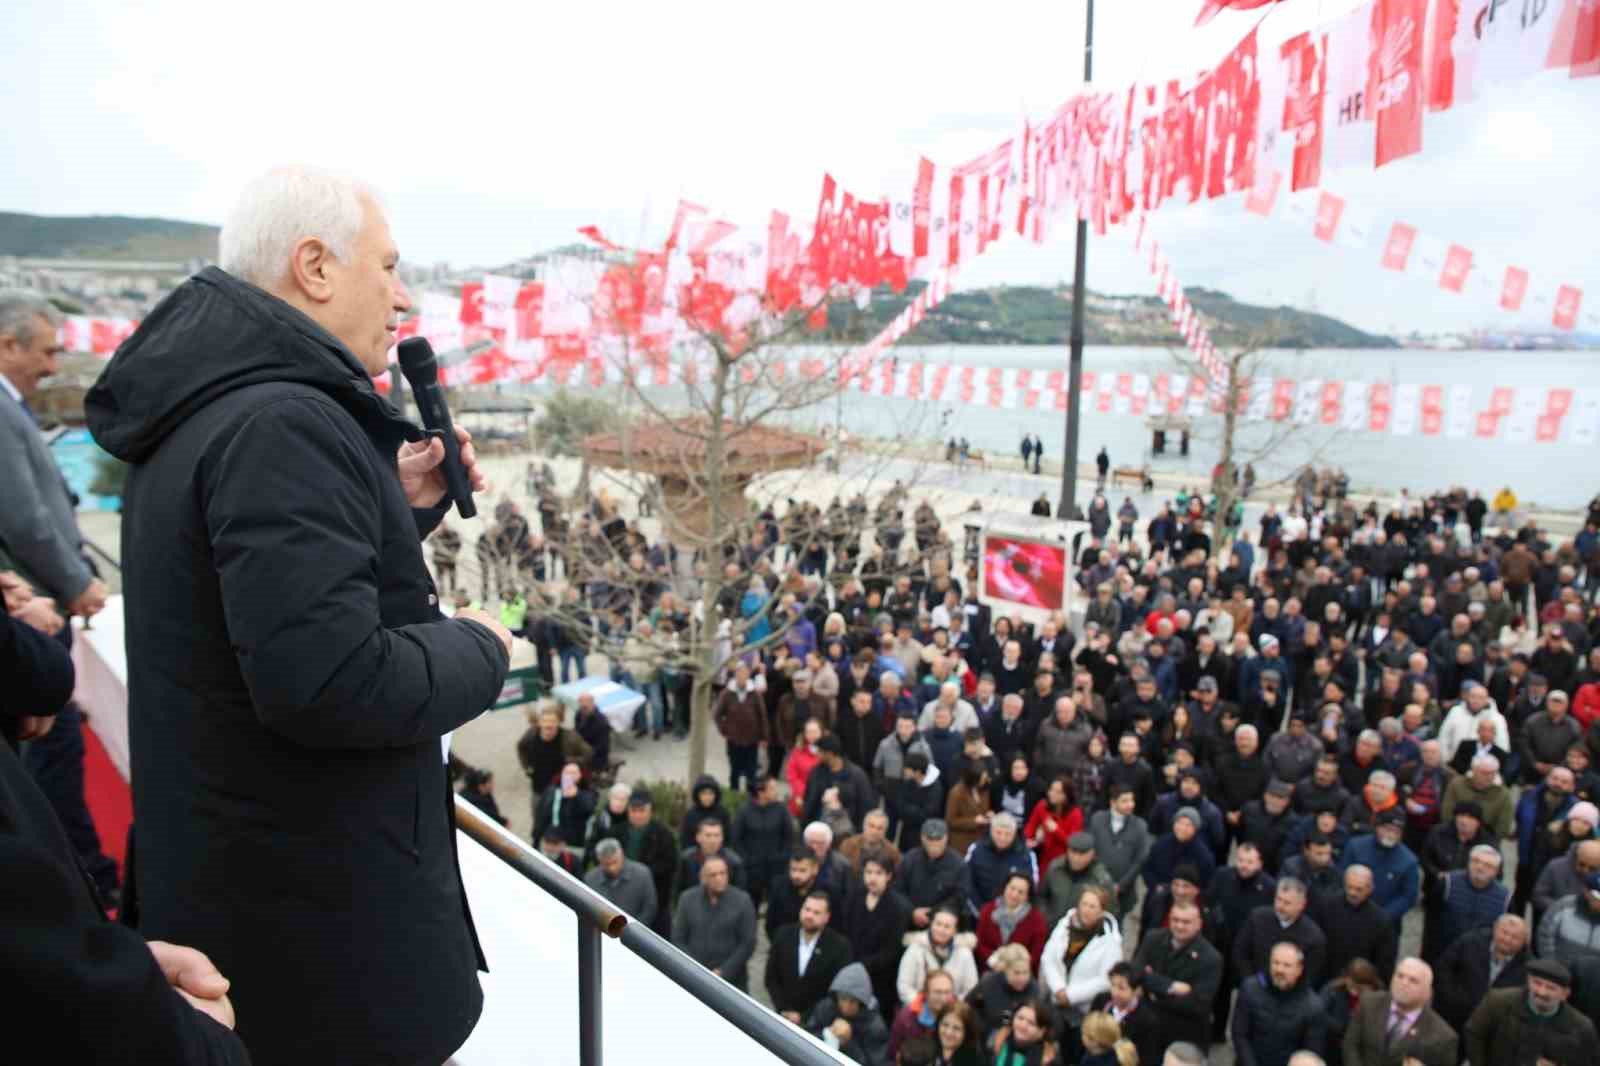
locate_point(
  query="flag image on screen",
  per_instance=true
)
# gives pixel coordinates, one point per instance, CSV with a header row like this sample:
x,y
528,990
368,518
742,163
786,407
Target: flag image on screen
x,y
1023,572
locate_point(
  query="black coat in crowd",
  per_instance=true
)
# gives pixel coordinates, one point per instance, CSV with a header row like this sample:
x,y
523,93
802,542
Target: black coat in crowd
x,y
1461,976
1197,964
65,964
1363,932
787,987
290,679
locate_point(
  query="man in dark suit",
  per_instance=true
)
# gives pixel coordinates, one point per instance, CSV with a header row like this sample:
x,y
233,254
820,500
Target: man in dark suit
x,y
1398,1026
39,539
290,675
1285,920
1481,961
805,958
1484,744
1181,972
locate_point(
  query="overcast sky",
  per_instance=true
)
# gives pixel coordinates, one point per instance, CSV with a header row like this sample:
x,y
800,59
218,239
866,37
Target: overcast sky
x,y
494,129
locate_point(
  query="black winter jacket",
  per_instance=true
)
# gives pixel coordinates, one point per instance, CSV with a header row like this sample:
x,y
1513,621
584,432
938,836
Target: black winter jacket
x,y
290,677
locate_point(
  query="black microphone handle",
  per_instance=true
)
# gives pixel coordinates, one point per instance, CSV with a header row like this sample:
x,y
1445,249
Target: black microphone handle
x,y
436,415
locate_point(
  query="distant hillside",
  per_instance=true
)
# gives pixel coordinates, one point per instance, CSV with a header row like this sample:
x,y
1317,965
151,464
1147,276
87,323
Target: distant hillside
x,y
1038,315
105,237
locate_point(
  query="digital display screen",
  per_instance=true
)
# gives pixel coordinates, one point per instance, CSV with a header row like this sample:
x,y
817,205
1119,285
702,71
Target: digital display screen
x,y
1025,572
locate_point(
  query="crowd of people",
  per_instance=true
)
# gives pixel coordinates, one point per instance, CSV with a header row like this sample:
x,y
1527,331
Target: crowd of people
x,y
1204,820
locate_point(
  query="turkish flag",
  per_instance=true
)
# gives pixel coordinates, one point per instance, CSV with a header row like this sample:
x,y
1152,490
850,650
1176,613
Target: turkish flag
x,y
1086,381
471,313
1501,400
1558,401
1568,300
1263,194
1332,402
1441,68
1514,288
1213,7
1487,424
1432,422
1329,210
1397,249
1457,264
1305,60
1283,392
1586,37
1547,428
1380,406
1394,78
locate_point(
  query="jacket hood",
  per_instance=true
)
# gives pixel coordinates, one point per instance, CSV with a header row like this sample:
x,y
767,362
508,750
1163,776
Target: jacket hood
x,y
706,781
853,981
212,335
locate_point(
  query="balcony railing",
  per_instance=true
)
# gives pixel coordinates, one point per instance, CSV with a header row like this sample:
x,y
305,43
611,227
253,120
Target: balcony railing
x,y
597,918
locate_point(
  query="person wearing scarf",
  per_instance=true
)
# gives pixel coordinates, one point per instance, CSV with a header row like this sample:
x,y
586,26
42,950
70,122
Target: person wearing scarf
x,y
1024,1041
1011,919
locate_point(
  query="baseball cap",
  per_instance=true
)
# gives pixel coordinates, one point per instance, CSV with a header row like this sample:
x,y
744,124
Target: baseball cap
x,y
1392,816
830,744
1080,842
935,829
640,798
1281,789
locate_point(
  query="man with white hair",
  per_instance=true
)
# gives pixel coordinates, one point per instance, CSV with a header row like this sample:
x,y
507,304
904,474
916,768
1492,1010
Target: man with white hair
x,y
1461,722
993,859
290,675
41,546
963,716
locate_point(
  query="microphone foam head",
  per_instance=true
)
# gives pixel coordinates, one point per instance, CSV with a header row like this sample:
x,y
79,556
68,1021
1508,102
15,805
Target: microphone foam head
x,y
417,361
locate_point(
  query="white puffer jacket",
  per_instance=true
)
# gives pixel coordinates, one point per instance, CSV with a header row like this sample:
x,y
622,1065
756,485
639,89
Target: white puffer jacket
x,y
1088,976
919,961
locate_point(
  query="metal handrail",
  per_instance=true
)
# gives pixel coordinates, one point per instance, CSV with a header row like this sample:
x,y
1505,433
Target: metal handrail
x,y
597,917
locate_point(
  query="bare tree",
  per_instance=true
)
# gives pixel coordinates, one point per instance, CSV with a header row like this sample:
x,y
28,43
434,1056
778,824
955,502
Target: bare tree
x,y
1238,447
712,454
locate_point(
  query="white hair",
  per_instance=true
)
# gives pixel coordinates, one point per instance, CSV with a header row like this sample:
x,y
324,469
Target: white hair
x,y
279,209
818,831
18,312
1381,777
1486,760
1004,820
1488,851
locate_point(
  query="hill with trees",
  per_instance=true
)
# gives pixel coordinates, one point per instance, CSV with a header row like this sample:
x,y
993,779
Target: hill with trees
x,y
105,237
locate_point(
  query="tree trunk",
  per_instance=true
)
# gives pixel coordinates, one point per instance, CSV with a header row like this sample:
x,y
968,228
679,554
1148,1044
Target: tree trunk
x,y
700,700
1224,487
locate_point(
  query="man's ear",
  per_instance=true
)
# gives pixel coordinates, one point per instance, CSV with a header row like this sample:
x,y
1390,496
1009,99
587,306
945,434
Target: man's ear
x,y
309,270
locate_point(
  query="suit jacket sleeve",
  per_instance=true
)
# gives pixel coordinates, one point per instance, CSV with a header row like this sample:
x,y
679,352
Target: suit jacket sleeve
x,y
30,535
294,514
1353,1042
1243,1044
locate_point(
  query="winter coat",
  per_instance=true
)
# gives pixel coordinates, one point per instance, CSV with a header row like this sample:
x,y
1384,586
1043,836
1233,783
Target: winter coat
x,y
1030,932
697,813
1197,964
919,960
787,988
877,936
720,937
869,1036
1498,808
1057,748
1430,1040
1270,1025
1461,976
1569,931
986,870
291,679
763,834
1252,945
889,762
1396,874
1504,1032
1062,886
1088,975
1053,844
1362,932
1167,853
931,882
962,809
1122,853
742,719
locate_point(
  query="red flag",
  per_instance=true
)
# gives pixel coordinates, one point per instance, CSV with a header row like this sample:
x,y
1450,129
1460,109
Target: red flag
x,y
1568,300
1329,210
1586,38
1380,406
1213,7
1501,399
1305,60
1514,288
1558,401
594,234
471,313
1547,428
1394,78
1441,71
1457,264
1282,399
1263,194
1397,249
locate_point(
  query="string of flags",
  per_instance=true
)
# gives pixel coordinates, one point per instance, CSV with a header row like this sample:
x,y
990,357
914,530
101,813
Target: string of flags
x,y
1271,115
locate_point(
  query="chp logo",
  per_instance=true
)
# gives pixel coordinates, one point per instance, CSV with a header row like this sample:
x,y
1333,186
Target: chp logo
x,y
1394,59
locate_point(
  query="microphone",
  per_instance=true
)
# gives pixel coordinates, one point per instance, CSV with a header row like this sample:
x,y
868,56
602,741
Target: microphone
x,y
422,372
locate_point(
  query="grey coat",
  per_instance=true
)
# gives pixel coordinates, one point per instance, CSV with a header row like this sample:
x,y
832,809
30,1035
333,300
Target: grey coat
x,y
1555,881
719,937
38,527
1122,854
633,892
1569,931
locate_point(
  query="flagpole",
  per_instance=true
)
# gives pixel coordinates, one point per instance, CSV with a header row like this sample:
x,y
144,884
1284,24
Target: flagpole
x,y
1067,508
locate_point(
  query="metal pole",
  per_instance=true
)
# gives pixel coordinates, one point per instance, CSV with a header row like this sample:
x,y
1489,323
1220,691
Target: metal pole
x,y
589,1044
1067,508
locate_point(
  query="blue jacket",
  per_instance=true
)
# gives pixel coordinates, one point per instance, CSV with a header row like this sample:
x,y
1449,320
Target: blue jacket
x,y
1527,810
1167,853
984,873
1396,874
